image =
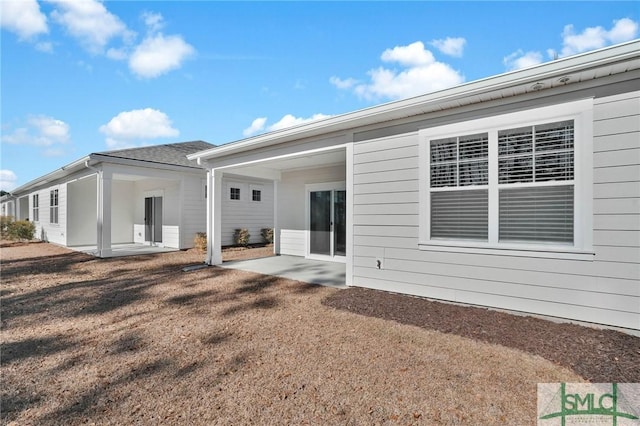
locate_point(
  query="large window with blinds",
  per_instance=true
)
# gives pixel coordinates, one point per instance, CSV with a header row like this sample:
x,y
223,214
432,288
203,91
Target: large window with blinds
x,y
509,182
459,187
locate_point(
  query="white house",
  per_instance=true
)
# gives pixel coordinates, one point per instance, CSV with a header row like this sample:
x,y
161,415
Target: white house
x,y
151,195
519,191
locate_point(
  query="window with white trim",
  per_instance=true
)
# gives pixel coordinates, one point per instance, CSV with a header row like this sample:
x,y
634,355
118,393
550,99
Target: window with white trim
x,y
53,206
234,193
509,182
256,195
35,209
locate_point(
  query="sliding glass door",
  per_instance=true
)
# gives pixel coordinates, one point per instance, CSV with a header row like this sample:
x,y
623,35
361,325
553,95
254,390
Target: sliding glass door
x,y
327,222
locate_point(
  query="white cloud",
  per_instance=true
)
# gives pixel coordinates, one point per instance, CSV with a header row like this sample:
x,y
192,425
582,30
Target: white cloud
x,y
23,17
124,129
596,37
40,131
90,23
519,59
8,180
158,54
421,74
589,39
258,125
452,46
153,21
410,55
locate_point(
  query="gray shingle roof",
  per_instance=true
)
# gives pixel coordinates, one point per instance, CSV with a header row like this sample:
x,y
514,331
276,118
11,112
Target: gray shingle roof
x,y
173,153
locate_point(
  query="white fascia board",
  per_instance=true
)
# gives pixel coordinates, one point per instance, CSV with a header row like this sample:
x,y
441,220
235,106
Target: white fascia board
x,y
417,105
54,175
97,158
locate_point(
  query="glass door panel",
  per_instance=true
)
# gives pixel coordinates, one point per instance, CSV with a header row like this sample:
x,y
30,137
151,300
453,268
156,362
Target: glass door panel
x,y
320,222
340,223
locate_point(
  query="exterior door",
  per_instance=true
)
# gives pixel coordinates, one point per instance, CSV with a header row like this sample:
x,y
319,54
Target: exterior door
x,y
153,219
327,223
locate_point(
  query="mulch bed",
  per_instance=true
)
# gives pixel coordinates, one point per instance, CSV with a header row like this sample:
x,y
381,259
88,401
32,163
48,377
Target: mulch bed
x,y
598,355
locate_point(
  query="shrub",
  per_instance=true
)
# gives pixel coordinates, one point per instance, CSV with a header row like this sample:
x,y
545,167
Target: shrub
x,y
267,235
200,241
241,237
21,230
5,221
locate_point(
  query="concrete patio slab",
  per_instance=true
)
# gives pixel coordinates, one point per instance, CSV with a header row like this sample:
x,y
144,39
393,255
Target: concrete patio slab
x,y
119,250
331,274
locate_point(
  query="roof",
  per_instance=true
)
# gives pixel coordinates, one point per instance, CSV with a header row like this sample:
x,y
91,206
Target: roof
x,y
174,153
565,71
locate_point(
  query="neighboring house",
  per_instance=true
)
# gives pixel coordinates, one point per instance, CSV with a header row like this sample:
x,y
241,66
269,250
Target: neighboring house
x,y
519,191
151,195
7,205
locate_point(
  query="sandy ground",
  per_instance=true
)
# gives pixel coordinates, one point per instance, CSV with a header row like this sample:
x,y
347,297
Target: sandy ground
x,y
136,340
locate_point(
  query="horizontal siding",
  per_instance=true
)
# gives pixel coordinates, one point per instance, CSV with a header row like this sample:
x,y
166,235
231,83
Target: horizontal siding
x,y
292,242
171,236
615,142
251,215
138,233
193,210
605,290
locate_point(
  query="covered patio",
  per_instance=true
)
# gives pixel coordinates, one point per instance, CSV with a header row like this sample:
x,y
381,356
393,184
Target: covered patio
x,y
330,274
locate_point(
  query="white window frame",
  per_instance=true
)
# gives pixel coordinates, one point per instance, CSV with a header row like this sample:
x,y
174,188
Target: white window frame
x,y
35,209
255,188
54,207
581,112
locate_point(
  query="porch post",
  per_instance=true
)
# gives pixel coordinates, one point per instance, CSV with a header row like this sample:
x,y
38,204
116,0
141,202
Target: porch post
x,y
214,217
276,226
349,225
104,182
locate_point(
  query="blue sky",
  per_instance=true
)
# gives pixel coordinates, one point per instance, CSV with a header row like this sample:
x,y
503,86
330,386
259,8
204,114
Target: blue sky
x,y
84,76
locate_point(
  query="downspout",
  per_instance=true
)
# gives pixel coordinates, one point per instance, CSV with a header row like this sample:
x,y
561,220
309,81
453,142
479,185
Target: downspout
x,y
98,207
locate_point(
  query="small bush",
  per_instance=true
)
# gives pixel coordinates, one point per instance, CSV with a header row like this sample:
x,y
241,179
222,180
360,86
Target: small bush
x,y
267,235
200,241
241,237
5,221
21,230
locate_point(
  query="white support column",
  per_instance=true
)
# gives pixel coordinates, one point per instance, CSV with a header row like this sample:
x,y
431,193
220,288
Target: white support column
x,y
276,226
214,217
349,237
104,183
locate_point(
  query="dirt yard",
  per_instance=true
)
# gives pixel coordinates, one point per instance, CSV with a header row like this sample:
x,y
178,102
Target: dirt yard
x,y
136,340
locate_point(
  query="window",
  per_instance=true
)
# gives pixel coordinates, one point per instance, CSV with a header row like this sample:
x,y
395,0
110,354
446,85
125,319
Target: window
x,y
256,195
234,193
53,206
459,180
509,182
535,181
36,208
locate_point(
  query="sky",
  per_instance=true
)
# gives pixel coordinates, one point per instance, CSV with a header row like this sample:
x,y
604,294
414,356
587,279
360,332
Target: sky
x,y
84,76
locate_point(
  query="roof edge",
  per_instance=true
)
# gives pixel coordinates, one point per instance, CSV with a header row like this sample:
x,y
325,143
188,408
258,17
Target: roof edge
x,y
349,120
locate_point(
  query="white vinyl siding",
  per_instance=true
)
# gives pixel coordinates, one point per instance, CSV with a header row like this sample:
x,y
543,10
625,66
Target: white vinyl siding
x,y
192,210
604,290
244,212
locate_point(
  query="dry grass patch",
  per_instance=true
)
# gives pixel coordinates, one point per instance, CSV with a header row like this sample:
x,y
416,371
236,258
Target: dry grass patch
x,y
135,340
